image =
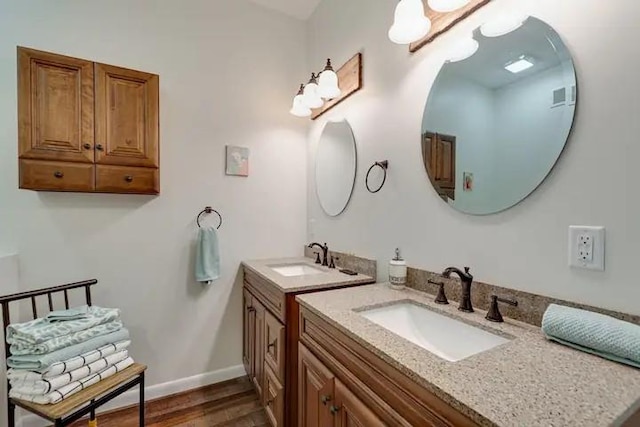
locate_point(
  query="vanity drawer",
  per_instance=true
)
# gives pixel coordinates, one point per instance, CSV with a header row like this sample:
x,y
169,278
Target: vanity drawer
x,y
56,176
274,398
274,341
272,298
125,179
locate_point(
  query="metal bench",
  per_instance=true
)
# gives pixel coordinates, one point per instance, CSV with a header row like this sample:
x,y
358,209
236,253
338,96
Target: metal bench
x,y
87,401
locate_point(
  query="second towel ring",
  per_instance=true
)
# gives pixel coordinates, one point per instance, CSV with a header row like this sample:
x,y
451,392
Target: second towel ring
x,y
209,210
384,165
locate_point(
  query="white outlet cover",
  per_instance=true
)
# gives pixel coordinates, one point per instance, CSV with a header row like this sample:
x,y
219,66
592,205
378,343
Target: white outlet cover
x,y
587,247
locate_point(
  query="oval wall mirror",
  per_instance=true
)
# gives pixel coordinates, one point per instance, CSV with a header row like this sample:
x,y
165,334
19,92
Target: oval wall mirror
x,y
496,122
335,167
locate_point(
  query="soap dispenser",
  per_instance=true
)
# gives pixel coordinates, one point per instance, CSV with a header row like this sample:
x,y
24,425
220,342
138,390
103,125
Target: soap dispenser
x,y
397,271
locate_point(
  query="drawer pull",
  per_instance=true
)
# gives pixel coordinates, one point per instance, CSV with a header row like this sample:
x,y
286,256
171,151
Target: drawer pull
x,y
58,174
269,402
334,409
128,178
325,400
86,146
273,344
99,147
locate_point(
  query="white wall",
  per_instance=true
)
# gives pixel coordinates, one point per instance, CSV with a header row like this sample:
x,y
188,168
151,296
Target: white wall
x,y
228,70
529,133
8,285
524,247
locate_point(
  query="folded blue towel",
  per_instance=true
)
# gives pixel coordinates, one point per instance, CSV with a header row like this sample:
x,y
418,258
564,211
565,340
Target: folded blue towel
x,y
43,361
76,313
208,256
593,333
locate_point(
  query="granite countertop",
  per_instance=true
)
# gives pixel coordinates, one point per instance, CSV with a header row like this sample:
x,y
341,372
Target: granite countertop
x,y
528,381
329,278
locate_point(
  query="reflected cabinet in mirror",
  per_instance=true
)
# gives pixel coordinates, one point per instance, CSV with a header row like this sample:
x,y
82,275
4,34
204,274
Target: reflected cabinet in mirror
x,y
497,121
335,167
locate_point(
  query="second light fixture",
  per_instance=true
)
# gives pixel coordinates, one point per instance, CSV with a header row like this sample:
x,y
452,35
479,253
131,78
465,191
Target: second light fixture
x,y
321,87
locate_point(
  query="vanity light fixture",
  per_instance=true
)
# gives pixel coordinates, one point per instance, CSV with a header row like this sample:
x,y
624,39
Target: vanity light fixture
x,y
310,93
328,83
299,108
445,6
410,22
464,49
520,64
502,24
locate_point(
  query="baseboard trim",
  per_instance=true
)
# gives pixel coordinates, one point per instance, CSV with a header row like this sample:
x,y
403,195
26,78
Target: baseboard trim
x,y
154,392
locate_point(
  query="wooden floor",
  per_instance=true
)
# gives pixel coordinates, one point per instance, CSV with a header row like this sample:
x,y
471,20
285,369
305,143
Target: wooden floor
x,y
232,403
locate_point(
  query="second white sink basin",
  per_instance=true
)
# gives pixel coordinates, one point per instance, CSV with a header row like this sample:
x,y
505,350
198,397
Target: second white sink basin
x,y
290,270
443,336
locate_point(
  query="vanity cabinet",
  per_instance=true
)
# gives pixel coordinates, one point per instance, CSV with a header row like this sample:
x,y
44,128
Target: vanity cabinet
x,y
341,384
270,350
85,126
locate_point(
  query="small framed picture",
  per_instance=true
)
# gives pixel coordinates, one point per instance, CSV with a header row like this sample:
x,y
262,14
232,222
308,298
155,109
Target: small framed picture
x,y
237,161
467,181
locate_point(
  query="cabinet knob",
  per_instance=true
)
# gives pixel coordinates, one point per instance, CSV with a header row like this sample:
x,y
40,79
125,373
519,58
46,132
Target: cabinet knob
x,y
86,146
58,174
273,344
325,399
269,402
128,178
251,309
334,409
99,147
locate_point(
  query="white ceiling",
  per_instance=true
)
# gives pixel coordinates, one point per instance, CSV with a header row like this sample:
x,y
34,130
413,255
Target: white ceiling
x,y
301,9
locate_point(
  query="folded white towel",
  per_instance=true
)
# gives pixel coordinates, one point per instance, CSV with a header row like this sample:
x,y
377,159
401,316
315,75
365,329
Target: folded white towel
x,y
74,387
45,386
68,365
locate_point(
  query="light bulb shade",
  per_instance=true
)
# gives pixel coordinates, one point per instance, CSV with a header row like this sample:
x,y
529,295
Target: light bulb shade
x,y
299,109
447,5
311,97
503,24
463,49
410,23
328,85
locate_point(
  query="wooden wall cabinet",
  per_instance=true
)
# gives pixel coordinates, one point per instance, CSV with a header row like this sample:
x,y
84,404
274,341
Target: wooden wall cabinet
x,y
86,127
270,349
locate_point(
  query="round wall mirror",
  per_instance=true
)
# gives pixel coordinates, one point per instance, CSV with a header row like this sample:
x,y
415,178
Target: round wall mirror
x,y
496,122
335,167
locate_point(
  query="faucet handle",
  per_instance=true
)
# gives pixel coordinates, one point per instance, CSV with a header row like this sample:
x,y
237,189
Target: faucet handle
x,y
466,270
318,261
441,298
494,315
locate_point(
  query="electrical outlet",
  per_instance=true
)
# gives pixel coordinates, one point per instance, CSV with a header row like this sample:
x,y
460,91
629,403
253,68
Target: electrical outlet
x,y
586,247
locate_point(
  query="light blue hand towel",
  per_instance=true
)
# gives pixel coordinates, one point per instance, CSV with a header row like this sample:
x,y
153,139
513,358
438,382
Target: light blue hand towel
x,y
207,256
593,333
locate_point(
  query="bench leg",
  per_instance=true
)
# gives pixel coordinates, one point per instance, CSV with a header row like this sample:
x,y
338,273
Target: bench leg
x,y
142,399
92,416
11,408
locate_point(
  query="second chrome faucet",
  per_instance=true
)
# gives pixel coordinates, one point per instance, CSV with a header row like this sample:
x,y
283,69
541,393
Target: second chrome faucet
x,y
466,279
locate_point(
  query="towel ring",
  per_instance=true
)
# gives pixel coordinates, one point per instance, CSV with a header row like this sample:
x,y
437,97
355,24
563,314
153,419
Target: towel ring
x,y
209,210
384,165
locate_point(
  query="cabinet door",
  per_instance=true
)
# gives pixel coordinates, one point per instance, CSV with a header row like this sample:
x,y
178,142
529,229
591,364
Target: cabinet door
x,y
274,398
315,391
55,107
274,345
351,411
258,356
248,332
126,117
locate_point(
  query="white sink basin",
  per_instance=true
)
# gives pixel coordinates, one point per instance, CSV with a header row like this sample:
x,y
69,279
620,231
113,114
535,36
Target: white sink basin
x,y
290,270
443,336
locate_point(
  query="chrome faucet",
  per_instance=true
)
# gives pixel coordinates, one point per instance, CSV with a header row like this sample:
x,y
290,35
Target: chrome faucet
x,y
466,279
325,252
